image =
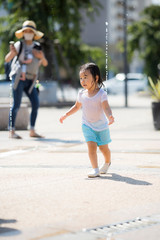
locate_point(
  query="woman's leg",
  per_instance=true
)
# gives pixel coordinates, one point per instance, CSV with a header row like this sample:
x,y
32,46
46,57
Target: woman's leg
x,y
17,97
106,153
92,152
33,97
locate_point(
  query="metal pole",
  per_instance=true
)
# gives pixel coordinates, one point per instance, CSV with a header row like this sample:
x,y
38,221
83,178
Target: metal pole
x,y
125,52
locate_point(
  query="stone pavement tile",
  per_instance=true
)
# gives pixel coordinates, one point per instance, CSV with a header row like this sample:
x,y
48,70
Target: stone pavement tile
x,y
77,236
138,228
150,233
44,182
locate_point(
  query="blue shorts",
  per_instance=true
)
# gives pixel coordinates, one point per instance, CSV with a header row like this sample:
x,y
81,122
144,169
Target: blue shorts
x,y
101,137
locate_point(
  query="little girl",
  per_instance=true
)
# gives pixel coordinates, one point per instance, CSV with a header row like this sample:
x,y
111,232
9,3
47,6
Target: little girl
x,y
95,112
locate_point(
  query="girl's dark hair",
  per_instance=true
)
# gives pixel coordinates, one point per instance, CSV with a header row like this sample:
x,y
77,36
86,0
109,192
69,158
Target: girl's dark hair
x,y
94,70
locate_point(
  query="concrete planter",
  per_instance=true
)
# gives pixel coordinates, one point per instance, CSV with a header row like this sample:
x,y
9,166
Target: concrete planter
x,y
22,119
5,89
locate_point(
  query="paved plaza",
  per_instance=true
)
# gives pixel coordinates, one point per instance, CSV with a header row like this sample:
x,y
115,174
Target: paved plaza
x,y
45,193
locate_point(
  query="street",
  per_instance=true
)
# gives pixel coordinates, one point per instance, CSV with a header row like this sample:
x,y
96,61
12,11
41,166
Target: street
x,y
45,192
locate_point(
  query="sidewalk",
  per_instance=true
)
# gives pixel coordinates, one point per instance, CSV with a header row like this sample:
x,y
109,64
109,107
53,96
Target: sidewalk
x,y
45,192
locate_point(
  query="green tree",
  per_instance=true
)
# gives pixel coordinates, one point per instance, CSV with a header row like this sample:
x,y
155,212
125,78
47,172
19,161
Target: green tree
x,y
60,20
144,36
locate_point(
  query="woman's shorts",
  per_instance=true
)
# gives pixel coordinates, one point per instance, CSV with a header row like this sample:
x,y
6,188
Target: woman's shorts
x,y
100,137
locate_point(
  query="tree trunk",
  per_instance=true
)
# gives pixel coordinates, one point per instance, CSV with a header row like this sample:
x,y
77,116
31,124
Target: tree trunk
x,y
51,72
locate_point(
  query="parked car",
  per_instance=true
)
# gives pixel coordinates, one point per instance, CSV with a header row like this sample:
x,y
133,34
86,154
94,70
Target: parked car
x,y
136,82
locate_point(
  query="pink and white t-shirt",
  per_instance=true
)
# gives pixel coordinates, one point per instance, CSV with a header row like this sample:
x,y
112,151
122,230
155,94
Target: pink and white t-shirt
x,y
92,111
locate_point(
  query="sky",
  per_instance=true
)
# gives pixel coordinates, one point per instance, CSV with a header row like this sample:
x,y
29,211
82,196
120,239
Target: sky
x,y
156,1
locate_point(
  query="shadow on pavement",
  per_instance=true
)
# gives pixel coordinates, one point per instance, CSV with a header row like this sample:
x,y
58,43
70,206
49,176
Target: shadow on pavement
x,y
58,140
119,178
7,231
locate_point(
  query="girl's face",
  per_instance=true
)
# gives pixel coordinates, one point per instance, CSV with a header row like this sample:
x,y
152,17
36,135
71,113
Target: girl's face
x,y
87,81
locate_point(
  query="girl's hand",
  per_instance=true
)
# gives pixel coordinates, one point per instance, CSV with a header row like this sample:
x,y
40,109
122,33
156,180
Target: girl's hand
x,y
111,120
38,54
62,118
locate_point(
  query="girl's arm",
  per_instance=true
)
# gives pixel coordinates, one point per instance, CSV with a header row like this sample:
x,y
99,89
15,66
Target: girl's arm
x,y
107,111
28,61
41,57
71,111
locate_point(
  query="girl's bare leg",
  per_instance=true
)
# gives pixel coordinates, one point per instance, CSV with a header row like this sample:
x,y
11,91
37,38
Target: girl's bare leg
x,y
106,153
23,76
92,152
107,157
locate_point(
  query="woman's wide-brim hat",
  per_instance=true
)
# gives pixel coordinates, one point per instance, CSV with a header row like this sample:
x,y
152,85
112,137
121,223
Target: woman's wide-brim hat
x,y
29,25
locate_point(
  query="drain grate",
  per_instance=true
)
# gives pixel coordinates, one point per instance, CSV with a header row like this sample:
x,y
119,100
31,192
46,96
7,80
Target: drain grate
x,y
134,224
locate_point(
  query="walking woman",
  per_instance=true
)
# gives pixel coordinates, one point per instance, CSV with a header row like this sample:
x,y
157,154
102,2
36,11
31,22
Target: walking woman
x,y
18,54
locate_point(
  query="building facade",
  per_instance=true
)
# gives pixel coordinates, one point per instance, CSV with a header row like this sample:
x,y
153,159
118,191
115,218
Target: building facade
x,y
94,32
